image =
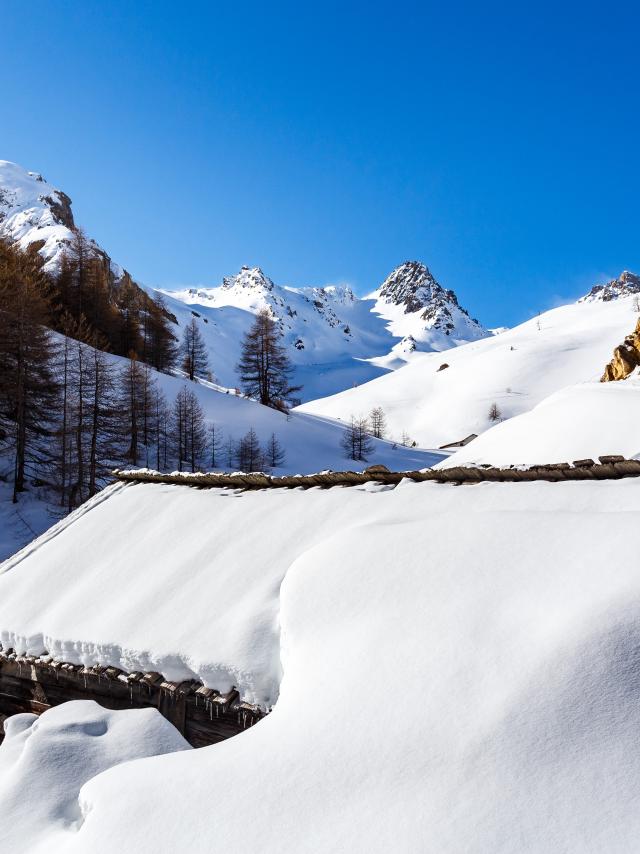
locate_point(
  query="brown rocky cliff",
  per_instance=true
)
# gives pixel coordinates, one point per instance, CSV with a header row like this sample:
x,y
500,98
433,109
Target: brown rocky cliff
x,y
626,357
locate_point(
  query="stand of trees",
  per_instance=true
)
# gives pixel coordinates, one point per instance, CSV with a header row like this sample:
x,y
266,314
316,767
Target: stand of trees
x,y
70,413
125,317
356,439
28,389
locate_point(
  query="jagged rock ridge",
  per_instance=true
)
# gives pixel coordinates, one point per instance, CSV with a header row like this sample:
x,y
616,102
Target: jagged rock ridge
x,y
413,287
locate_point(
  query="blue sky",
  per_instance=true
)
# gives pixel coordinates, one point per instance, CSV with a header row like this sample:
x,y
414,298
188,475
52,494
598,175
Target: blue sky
x,y
329,142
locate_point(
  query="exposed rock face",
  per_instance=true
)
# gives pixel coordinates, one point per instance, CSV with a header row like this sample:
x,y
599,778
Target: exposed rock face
x,y
625,285
34,212
626,358
249,278
60,206
413,287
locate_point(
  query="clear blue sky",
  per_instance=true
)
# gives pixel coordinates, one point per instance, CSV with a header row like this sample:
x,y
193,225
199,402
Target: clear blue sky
x,y
329,142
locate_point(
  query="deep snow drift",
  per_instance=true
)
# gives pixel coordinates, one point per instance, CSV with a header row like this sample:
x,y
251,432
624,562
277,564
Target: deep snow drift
x,y
582,421
460,664
45,761
515,370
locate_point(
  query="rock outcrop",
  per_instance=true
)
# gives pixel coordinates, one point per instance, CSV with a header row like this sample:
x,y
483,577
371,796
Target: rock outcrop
x,y
626,357
625,285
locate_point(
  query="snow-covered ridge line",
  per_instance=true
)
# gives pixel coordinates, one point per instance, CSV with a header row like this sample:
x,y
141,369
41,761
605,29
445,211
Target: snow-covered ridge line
x,y
612,466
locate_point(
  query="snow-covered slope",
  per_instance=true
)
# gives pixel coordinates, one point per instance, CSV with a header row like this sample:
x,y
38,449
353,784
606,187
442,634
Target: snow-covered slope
x,y
443,397
310,444
334,339
421,312
444,688
578,422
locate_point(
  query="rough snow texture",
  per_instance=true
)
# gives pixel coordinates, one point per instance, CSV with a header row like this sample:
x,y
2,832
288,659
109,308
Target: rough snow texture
x,y
460,668
335,340
627,284
516,370
45,761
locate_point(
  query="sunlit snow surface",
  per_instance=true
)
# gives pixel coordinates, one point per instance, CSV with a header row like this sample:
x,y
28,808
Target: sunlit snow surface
x,y
578,422
45,761
459,665
515,370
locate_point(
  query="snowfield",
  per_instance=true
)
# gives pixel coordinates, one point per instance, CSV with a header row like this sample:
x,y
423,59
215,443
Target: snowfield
x,y
515,370
457,665
582,421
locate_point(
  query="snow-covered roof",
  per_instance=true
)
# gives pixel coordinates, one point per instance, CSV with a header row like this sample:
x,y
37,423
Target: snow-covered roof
x,y
440,687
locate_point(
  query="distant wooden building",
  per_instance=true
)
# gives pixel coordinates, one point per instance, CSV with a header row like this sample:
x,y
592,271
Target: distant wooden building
x,y
461,443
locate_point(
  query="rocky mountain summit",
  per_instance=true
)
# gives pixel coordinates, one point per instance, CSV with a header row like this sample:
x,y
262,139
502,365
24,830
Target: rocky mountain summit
x,y
34,212
416,306
335,338
625,285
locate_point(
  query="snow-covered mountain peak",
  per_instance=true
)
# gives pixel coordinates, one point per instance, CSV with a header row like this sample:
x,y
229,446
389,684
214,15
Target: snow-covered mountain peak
x,y
249,278
625,285
33,211
341,294
411,285
414,303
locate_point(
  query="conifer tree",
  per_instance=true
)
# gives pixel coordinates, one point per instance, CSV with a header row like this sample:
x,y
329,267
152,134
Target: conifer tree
x,y
160,342
188,429
160,427
230,451
131,402
275,453
249,456
216,443
264,366
193,351
28,387
356,441
494,412
102,415
378,422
